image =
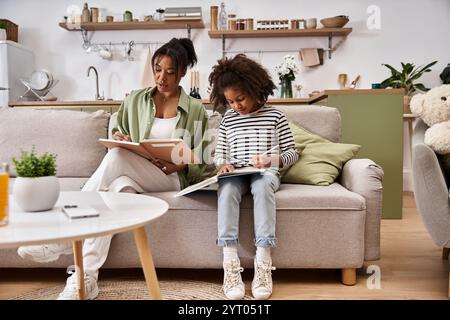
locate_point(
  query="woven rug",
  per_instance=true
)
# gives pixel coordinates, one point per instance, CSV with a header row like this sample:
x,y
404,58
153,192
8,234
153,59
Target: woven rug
x,y
137,290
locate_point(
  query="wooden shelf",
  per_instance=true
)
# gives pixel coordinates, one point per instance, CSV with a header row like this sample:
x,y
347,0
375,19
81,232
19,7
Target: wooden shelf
x,y
134,25
280,33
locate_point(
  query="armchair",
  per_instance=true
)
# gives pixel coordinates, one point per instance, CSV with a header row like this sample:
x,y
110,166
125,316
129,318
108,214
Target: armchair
x,y
431,192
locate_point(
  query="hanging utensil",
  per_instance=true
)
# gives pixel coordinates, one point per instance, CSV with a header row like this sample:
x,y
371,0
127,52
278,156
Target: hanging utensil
x,y
192,88
197,85
354,82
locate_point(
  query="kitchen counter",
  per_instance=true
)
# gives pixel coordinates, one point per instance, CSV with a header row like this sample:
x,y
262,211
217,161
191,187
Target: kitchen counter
x,y
115,104
65,103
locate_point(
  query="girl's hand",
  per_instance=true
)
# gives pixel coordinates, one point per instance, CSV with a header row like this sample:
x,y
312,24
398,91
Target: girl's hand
x,y
226,168
121,137
262,161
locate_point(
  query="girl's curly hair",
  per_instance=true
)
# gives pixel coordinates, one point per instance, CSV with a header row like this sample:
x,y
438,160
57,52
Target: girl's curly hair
x,y
242,73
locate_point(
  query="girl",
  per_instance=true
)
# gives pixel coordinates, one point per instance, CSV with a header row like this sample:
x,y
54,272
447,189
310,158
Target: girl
x,y
247,135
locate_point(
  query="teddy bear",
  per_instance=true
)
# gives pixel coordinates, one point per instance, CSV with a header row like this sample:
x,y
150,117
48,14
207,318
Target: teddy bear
x,y
433,107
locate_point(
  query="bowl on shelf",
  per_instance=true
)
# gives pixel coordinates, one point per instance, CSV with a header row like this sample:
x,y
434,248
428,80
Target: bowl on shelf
x,y
334,22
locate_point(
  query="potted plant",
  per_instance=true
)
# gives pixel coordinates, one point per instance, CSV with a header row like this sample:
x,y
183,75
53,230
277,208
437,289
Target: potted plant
x,y
407,79
36,187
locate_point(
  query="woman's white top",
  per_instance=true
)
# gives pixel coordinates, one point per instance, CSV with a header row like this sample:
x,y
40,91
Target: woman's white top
x,y
163,128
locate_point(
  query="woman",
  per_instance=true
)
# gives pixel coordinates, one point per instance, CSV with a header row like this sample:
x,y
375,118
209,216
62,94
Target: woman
x,y
163,111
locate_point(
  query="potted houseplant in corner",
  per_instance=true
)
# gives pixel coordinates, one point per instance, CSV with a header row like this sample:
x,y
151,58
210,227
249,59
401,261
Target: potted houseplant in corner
x,y
36,187
407,78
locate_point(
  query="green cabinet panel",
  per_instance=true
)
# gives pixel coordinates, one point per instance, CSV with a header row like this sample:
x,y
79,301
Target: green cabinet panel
x,y
375,121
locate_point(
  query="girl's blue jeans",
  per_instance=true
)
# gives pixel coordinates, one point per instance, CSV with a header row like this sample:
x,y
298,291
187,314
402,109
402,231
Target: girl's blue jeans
x,y
263,188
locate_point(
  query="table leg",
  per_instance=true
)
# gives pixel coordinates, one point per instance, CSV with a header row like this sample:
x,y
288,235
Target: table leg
x,y
145,254
78,260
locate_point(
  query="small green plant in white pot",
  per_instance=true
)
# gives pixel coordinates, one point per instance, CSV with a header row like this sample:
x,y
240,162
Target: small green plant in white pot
x,y
36,187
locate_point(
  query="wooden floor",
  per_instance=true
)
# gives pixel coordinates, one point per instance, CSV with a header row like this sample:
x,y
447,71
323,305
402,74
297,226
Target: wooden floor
x,y
411,268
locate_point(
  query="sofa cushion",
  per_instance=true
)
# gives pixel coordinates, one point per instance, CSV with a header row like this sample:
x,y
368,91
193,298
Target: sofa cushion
x,y
321,161
288,197
324,121
71,135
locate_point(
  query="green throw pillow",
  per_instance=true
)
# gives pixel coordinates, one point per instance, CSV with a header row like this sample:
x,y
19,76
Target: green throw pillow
x,y
320,162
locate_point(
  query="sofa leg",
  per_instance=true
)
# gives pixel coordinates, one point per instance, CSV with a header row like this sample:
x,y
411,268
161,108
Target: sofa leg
x,y
348,276
445,253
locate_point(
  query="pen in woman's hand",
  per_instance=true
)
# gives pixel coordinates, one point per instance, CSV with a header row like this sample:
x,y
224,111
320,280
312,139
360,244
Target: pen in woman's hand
x,y
121,137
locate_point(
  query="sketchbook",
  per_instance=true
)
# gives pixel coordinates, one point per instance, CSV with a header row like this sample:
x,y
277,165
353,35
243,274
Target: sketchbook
x,y
170,150
212,183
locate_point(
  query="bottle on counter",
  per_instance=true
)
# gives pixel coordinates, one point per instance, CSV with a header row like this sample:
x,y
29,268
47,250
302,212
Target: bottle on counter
x,y
4,207
222,17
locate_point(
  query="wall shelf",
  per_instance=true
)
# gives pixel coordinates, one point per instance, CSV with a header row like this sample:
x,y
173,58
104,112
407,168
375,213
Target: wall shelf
x,y
134,25
321,32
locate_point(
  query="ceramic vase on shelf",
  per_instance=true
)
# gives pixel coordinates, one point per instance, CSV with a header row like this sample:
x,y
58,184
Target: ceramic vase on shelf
x,y
286,89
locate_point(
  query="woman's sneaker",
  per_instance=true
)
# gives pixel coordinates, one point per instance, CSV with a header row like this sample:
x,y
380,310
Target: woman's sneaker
x,y
262,281
233,286
70,291
45,253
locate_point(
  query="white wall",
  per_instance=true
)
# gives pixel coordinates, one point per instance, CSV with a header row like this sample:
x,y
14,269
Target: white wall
x,y
411,31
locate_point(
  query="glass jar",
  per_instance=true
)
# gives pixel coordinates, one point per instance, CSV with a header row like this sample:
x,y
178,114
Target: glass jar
x,y
249,24
214,18
4,207
240,24
159,15
232,22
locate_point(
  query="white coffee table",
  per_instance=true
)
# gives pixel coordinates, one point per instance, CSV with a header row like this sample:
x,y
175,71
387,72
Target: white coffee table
x,y
119,212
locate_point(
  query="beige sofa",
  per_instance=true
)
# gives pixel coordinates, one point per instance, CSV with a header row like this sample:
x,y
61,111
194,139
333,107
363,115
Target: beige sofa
x,y
336,226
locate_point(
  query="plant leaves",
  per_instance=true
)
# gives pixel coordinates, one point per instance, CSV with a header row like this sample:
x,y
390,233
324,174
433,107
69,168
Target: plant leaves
x,y
421,87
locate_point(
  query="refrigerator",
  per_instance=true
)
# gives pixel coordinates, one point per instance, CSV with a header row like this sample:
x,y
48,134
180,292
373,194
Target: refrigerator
x,y
16,61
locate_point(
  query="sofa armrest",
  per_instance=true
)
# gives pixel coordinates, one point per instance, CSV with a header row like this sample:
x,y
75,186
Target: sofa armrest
x,y
364,177
431,194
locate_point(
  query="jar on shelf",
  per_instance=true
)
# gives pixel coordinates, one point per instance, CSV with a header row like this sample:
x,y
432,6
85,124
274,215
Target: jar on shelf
x,y
159,15
94,14
240,24
249,24
214,18
232,22
85,13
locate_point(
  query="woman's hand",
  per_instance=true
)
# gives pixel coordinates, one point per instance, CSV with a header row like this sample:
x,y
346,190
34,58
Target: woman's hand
x,y
262,161
167,167
121,137
226,168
